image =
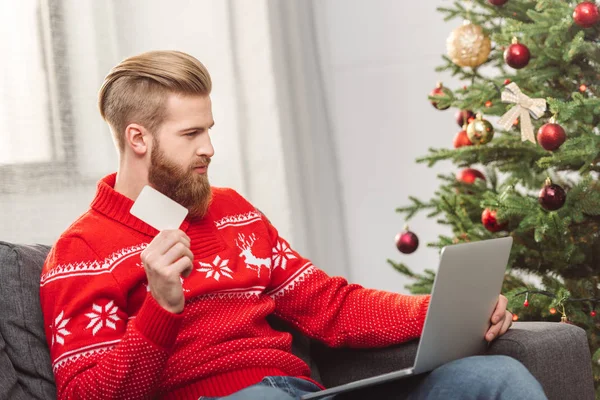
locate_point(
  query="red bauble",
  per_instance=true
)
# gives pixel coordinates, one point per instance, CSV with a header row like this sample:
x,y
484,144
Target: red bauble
x,y
593,313
517,55
552,197
551,136
463,117
462,139
586,14
438,91
407,242
490,222
526,303
468,175
498,2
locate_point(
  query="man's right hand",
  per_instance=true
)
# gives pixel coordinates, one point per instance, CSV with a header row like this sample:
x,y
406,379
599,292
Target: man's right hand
x,y
165,260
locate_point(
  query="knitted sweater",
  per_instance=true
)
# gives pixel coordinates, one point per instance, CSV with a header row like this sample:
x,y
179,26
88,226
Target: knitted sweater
x,y
109,338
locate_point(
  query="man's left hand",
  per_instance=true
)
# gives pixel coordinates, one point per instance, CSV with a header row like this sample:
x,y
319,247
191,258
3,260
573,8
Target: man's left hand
x,y
501,320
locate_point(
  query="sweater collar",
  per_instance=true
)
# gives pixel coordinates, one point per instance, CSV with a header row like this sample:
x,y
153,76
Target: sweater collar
x,y
117,206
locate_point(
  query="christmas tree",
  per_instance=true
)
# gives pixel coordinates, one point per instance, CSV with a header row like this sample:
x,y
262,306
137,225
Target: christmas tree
x,y
527,154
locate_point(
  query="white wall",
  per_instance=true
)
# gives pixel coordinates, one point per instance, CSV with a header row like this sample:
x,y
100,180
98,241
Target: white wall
x,y
379,58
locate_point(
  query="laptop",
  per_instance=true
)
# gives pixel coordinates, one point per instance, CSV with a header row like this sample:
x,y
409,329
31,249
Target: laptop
x,y
464,295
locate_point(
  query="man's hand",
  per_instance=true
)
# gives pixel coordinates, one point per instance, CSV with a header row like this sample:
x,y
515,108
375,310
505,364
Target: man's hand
x,y
501,320
165,259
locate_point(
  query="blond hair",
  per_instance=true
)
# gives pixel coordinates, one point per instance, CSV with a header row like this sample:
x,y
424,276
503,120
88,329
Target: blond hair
x,y
137,88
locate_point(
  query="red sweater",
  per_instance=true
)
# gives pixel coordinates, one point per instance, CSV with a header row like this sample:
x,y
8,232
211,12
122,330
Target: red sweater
x,y
109,338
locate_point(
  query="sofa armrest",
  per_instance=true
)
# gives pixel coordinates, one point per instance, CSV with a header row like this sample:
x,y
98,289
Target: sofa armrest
x,y
557,354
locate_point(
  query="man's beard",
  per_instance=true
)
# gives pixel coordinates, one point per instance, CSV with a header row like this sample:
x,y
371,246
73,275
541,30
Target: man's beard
x,y
186,187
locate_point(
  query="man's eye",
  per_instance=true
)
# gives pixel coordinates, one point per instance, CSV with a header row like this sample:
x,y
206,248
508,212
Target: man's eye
x,y
191,133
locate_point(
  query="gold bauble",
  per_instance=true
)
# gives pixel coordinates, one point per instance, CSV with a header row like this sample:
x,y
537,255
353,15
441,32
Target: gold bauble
x,y
480,131
468,45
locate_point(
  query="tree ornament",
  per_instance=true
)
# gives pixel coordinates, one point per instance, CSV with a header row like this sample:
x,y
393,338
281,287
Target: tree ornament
x,y
593,313
526,303
507,81
553,310
480,131
468,45
439,91
523,108
462,139
490,222
406,241
497,2
552,196
586,14
515,317
463,117
517,55
551,135
468,175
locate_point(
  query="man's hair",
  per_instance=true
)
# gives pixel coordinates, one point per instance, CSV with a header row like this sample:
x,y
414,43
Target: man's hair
x,y
135,91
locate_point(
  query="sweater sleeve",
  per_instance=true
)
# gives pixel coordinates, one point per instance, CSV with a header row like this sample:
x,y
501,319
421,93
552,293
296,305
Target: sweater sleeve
x,y
335,312
97,350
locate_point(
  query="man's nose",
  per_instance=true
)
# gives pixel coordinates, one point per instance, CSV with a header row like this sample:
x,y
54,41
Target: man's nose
x,y
206,148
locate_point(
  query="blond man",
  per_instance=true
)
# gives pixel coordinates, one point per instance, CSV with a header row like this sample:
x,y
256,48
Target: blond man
x,y
131,312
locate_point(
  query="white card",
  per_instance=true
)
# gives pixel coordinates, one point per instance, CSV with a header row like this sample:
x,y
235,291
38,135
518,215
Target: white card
x,y
158,210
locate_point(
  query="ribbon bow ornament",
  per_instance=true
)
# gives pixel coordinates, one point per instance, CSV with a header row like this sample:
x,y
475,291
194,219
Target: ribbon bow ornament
x,y
524,105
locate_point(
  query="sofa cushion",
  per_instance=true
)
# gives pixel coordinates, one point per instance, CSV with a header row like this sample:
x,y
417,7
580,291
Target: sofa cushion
x,y
25,366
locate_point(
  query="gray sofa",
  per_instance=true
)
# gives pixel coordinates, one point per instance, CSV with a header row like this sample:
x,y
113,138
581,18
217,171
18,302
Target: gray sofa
x,y
556,354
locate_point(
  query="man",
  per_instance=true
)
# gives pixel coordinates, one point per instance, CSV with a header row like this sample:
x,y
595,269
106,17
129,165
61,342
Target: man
x,y
131,312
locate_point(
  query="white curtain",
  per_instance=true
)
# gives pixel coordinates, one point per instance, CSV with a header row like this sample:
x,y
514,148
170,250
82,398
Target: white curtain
x,y
24,97
45,182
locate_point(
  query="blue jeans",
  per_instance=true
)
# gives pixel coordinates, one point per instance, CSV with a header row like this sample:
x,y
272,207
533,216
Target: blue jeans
x,y
472,378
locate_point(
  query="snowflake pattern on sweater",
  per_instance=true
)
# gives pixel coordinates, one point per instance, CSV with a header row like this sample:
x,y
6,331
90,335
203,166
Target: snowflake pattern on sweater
x,y
109,338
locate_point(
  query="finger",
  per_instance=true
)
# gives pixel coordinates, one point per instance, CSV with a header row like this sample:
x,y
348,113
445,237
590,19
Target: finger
x,y
179,235
182,267
507,323
176,252
187,272
185,237
186,241
492,333
169,239
164,241
499,312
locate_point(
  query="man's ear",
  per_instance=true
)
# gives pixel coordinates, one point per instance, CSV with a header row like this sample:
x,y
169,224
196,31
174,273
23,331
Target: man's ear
x,y
137,138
